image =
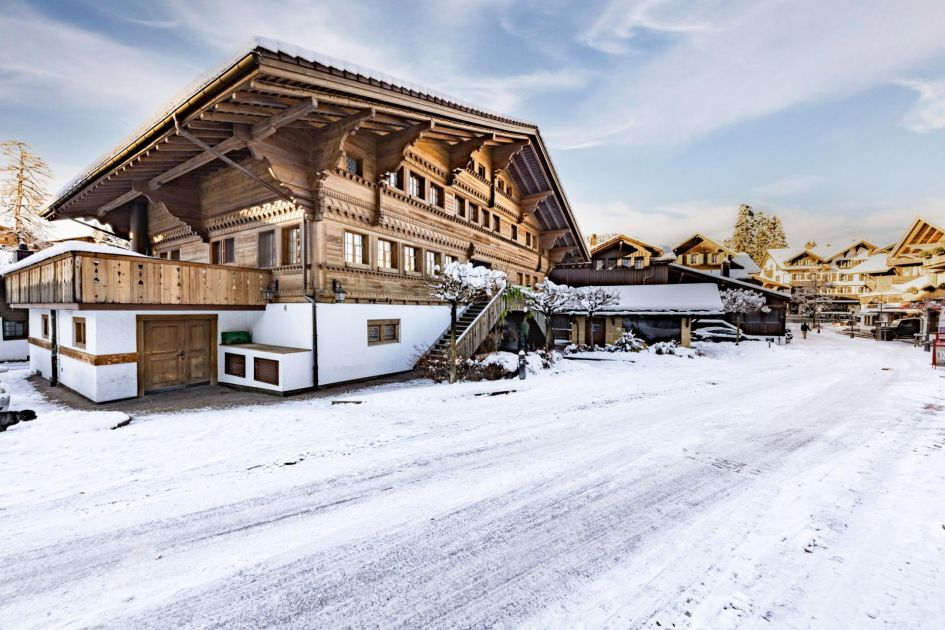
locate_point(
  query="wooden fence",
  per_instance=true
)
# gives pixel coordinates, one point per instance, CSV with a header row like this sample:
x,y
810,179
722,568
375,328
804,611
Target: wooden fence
x,y
91,278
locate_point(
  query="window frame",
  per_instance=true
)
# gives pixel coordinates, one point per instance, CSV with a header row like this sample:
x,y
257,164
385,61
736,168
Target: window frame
x,y
79,330
362,247
45,325
15,322
272,249
416,185
437,196
358,164
411,258
382,337
390,253
292,251
429,269
221,253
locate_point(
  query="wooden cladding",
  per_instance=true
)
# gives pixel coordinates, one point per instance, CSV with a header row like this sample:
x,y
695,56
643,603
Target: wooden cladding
x,y
40,343
98,359
88,278
266,370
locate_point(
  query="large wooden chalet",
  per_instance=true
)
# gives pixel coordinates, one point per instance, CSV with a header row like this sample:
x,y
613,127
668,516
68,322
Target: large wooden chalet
x,y
299,199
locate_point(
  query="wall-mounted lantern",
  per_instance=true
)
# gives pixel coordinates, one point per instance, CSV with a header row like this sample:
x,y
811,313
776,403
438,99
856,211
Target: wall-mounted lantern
x,y
339,291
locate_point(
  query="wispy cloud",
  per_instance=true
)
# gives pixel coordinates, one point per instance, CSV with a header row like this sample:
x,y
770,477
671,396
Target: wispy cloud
x,y
624,20
52,63
745,60
928,112
790,185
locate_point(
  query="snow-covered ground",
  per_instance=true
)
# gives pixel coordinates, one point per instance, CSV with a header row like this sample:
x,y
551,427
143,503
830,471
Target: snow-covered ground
x,y
791,487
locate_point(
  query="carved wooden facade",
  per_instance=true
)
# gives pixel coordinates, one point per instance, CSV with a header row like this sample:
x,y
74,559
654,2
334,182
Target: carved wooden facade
x,y
701,252
325,176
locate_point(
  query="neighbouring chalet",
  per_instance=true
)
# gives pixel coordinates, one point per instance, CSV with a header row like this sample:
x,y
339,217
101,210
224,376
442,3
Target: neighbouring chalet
x,y
665,315
622,251
283,215
702,253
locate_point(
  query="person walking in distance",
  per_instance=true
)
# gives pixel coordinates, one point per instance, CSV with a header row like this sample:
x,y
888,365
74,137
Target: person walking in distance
x,y
804,330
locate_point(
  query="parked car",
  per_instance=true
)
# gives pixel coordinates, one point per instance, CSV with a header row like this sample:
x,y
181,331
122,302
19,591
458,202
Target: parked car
x,y
905,328
720,333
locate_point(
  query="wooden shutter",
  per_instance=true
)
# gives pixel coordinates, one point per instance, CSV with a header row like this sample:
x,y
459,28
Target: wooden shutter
x,y
266,370
234,364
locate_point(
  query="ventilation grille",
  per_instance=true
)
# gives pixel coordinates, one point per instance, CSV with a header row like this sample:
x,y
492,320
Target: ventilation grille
x,y
266,371
234,364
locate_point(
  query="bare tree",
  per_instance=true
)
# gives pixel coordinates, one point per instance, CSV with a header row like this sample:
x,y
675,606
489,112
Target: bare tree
x,y
590,301
462,283
23,179
812,295
739,302
549,299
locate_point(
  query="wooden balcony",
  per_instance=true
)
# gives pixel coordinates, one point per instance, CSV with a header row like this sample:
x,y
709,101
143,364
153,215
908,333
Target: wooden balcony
x,y
95,280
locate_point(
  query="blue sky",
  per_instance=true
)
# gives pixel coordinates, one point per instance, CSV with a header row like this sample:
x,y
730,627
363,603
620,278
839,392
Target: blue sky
x,y
661,115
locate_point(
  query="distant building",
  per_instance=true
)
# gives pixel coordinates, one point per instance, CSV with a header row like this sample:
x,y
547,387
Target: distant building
x,y
622,251
704,254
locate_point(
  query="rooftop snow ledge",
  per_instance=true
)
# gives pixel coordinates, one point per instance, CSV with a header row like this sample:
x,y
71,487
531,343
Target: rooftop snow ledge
x,y
65,248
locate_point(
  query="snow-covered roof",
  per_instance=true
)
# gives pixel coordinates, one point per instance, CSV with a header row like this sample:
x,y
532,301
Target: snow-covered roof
x,y
744,261
64,248
665,299
67,230
277,47
877,263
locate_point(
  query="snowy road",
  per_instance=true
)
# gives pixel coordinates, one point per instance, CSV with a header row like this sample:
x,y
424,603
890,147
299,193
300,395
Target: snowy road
x,y
796,487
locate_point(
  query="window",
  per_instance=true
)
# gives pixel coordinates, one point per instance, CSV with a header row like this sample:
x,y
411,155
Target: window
x,y
353,165
417,186
410,259
496,223
436,195
385,255
447,259
222,252
45,326
383,331
485,218
599,264
14,330
162,255
234,364
514,232
521,279
638,263
292,245
78,332
715,258
174,254
266,250
432,262
396,179
460,207
481,170
528,239
474,213
355,252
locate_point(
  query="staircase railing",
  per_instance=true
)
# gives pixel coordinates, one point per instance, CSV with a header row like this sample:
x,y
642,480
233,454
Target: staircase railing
x,y
468,342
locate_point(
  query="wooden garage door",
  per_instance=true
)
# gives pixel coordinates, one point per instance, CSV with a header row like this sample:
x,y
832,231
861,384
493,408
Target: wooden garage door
x,y
176,353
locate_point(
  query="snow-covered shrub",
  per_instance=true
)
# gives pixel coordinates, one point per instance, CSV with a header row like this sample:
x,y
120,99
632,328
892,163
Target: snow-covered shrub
x,y
628,342
548,358
665,347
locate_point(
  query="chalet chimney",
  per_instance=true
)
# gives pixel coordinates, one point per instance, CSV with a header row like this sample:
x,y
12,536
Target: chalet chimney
x,y
726,267
593,240
22,251
810,245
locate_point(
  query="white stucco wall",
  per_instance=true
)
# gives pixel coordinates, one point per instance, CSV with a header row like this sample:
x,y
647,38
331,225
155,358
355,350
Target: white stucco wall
x,y
295,369
343,351
284,325
14,350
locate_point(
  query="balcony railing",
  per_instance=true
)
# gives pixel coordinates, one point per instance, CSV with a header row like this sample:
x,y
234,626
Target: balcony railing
x,y
79,278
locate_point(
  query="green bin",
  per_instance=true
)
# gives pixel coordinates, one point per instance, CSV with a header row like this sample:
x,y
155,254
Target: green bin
x,y
235,337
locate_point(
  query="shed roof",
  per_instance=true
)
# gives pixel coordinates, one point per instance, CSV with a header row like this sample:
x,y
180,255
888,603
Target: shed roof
x,y
665,299
66,247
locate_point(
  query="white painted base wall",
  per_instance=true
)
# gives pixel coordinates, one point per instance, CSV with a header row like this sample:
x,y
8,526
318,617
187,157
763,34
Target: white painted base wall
x,y
343,350
14,350
115,332
295,369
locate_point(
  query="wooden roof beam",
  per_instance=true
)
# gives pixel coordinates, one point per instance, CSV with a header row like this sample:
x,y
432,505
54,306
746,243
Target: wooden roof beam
x,y
547,239
557,254
181,202
392,148
461,153
529,204
269,126
331,138
236,141
502,155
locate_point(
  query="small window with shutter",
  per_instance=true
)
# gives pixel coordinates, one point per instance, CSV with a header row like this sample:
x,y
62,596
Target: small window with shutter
x,y
266,370
383,331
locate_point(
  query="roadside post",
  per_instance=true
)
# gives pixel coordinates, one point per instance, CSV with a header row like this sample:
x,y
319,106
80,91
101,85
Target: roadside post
x,y
938,348
522,371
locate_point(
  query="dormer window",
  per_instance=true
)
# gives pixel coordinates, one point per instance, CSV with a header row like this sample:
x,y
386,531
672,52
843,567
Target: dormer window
x,y
417,186
354,166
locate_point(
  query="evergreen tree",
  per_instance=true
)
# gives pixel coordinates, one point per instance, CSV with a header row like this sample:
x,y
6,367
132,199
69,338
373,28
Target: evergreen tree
x,y
755,233
777,238
743,233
